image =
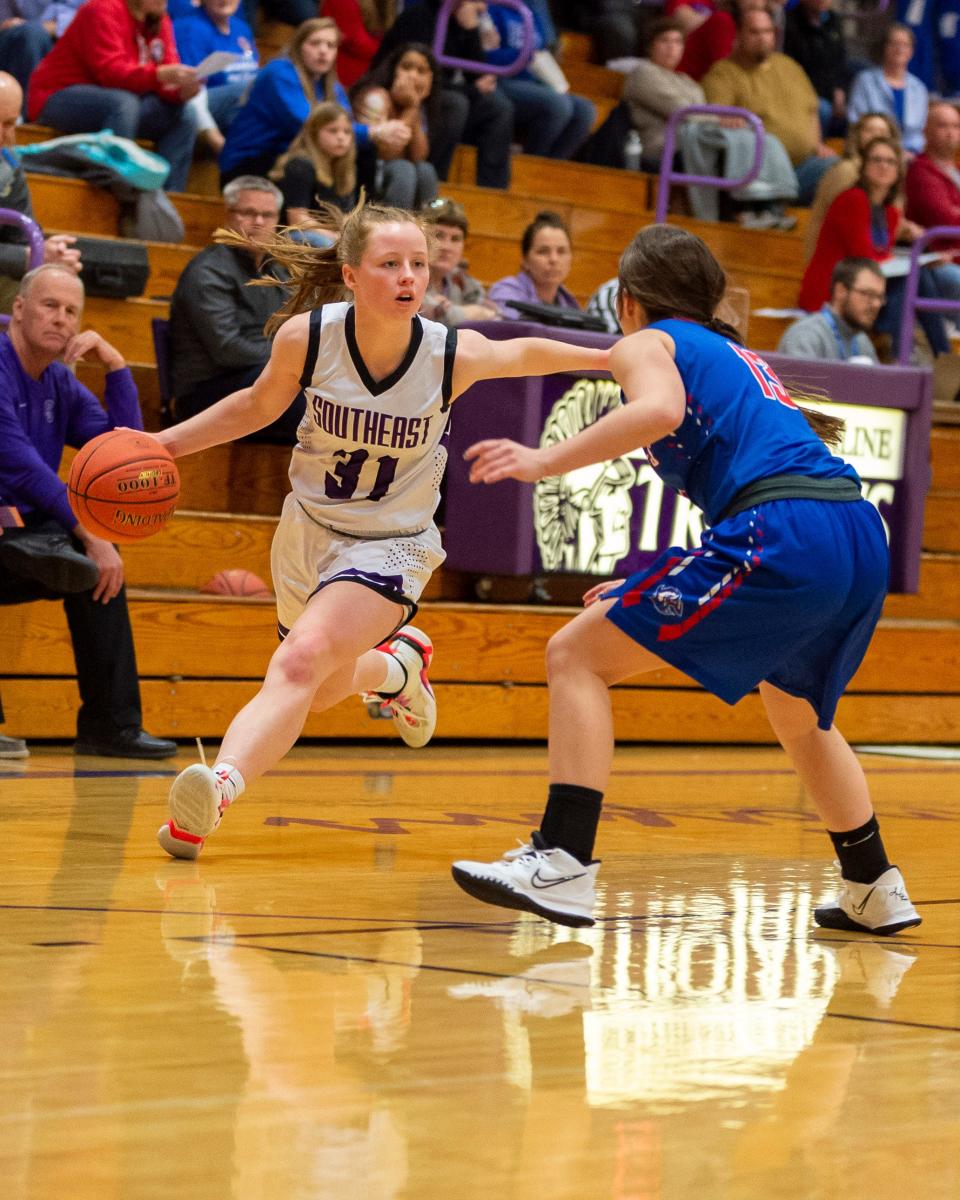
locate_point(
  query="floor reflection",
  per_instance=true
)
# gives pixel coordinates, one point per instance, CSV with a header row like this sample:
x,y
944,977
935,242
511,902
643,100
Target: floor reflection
x,y
317,1013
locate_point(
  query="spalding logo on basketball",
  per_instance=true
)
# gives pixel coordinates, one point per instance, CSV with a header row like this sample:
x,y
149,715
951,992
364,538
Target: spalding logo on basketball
x,y
123,485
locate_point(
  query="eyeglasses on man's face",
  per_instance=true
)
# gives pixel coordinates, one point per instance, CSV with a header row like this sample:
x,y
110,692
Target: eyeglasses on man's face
x,y
257,214
874,297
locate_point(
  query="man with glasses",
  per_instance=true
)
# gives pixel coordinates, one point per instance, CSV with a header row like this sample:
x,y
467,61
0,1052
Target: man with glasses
x,y
838,332
217,344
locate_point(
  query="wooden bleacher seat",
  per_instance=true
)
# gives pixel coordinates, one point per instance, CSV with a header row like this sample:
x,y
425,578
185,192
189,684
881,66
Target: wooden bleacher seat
x,y
604,207
592,81
200,658
575,47
171,618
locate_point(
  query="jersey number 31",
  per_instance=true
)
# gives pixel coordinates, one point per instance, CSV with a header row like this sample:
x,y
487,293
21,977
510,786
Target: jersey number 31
x,y
341,483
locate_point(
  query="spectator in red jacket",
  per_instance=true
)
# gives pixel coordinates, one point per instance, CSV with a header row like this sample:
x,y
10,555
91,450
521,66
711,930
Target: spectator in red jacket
x,y
863,222
709,34
116,67
362,24
933,181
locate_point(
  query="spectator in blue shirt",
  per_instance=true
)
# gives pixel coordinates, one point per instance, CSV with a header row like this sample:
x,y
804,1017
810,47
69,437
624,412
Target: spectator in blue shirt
x,y
550,122
891,89
282,97
42,409
28,29
215,26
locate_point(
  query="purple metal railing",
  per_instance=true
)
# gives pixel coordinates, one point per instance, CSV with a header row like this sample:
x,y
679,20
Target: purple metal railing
x,y
668,175
483,67
34,235
912,303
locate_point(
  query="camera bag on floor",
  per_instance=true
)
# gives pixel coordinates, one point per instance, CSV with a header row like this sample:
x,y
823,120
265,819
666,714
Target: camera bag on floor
x,y
112,267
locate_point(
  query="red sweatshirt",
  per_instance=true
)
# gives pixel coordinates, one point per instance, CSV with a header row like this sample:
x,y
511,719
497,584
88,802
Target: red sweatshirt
x,y
104,46
932,198
845,233
357,44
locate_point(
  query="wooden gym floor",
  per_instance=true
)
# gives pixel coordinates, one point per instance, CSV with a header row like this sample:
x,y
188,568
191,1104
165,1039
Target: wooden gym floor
x,y
314,1011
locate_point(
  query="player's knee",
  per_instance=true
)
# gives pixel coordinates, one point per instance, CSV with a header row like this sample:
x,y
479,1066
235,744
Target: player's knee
x,y
562,654
304,658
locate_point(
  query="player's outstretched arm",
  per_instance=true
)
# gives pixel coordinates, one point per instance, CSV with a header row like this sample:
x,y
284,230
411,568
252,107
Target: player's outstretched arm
x,y
644,367
251,408
480,357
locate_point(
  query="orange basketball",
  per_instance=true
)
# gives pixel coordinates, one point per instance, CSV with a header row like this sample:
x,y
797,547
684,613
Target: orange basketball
x,y
123,485
235,582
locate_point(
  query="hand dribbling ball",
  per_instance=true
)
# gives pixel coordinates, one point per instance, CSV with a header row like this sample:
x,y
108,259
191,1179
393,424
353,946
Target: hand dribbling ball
x,y
123,486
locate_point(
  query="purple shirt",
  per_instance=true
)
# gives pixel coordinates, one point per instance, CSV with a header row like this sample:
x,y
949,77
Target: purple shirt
x,y
60,12
38,417
522,287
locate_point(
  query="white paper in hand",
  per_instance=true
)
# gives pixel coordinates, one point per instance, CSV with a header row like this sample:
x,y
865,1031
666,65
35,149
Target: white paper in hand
x,y
218,61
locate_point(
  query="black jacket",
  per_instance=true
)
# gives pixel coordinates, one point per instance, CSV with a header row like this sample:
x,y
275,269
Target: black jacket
x,y
819,49
418,24
216,321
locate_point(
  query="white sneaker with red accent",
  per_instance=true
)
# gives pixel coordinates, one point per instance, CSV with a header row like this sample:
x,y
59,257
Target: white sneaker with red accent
x,y
197,802
414,709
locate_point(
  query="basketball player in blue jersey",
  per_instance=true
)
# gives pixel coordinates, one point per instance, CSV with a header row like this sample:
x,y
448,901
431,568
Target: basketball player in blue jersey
x,y
783,592
356,543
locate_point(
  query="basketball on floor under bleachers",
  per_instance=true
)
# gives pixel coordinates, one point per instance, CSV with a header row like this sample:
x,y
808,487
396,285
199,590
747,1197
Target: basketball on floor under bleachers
x,y
236,582
123,485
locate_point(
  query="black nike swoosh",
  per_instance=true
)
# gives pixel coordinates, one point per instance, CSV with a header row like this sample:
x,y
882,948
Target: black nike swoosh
x,y
858,908
535,879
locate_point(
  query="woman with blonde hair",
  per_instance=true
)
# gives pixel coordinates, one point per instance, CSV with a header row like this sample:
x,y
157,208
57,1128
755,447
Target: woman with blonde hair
x,y
845,173
281,99
320,166
357,542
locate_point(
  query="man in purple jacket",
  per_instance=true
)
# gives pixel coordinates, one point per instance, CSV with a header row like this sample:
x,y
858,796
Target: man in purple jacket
x,y
42,409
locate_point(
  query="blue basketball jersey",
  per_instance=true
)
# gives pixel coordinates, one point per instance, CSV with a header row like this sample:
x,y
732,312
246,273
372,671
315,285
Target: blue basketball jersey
x,y
740,424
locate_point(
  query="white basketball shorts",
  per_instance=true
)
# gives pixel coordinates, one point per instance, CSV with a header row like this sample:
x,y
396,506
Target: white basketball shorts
x,y
306,556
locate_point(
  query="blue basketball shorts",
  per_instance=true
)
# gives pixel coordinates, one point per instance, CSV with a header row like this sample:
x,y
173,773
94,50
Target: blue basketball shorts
x,y
788,592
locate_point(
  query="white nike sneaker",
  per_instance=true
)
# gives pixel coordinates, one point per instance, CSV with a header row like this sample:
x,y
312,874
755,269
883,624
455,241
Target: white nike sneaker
x,y
880,907
414,710
546,990
550,883
197,802
872,968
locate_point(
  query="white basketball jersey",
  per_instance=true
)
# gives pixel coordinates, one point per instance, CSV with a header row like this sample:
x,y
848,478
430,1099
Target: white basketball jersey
x,y
370,455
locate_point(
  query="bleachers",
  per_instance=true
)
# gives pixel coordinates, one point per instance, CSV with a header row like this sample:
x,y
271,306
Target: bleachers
x,y
201,656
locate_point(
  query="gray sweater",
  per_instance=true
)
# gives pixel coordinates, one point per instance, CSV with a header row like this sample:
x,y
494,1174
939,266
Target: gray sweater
x,y
652,93
814,337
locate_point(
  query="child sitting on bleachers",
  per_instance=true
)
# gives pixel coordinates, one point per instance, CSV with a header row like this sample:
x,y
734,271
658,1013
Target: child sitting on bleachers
x,y
321,165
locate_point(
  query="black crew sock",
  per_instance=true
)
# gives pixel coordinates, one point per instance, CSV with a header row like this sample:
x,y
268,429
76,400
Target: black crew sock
x,y
861,853
571,818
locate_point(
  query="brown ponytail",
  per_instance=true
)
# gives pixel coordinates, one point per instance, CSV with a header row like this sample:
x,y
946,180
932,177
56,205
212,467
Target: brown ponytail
x,y
828,429
725,330
673,273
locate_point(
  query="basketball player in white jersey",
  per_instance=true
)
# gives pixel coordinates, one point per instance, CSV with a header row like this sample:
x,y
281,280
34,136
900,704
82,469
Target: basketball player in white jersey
x,y
356,543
